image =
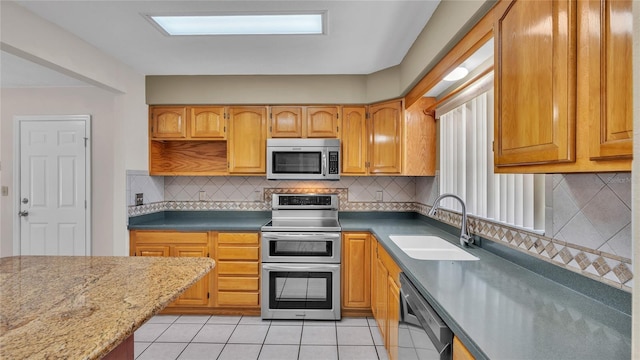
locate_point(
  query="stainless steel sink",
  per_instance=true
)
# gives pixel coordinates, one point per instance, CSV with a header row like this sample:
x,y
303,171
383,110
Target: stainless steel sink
x,y
428,247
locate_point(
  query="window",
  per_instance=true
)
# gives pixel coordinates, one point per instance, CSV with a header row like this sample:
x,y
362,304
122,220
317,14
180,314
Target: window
x,y
466,164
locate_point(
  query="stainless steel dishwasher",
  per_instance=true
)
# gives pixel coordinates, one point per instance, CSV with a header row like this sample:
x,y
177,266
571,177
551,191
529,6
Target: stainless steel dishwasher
x,y
422,335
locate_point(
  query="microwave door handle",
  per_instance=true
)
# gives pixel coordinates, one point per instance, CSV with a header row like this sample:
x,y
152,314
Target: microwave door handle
x,y
324,163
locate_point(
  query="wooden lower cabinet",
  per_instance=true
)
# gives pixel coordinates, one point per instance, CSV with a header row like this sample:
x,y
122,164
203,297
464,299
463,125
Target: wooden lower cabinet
x,y
233,286
385,297
356,274
178,244
460,352
237,274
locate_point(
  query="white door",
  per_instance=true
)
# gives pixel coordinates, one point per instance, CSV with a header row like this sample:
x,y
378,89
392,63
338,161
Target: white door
x,y
54,170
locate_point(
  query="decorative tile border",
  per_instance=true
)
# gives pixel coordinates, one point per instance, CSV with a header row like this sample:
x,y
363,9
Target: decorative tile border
x,y
608,268
598,265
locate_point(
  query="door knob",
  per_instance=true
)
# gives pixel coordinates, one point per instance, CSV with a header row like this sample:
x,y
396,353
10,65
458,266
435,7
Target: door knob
x,y
25,200
23,213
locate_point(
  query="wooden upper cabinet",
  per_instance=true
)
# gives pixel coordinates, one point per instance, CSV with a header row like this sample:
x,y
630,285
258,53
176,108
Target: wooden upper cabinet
x,y
535,66
354,140
385,133
322,121
247,140
168,122
207,122
609,42
285,121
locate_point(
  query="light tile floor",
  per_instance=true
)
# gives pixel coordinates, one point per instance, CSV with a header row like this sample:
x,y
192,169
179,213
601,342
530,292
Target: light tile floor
x,y
249,338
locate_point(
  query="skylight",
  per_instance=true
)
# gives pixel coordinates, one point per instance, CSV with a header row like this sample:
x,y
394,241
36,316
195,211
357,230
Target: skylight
x,y
254,24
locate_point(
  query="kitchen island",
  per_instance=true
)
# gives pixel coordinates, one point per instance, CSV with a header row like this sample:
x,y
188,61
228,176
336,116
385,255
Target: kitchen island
x,y
75,307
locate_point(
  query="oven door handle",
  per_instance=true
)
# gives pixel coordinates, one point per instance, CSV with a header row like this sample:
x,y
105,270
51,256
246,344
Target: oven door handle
x,y
299,236
300,267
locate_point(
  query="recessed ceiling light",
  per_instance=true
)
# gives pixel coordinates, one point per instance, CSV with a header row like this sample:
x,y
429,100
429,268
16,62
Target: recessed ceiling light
x,y
238,24
457,74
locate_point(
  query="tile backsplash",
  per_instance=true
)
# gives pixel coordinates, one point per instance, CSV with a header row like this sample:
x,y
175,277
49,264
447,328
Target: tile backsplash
x,y
587,216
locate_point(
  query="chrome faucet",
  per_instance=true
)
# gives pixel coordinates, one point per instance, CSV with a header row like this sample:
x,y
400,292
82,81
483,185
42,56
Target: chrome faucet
x,y
465,239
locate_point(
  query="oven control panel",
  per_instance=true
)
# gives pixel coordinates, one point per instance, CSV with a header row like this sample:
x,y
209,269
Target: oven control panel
x,y
302,200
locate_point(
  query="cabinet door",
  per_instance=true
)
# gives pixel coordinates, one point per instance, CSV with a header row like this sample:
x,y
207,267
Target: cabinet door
x,y
535,67
247,140
610,80
198,294
168,122
285,122
152,250
393,318
356,270
354,141
381,296
208,122
385,131
322,121
460,352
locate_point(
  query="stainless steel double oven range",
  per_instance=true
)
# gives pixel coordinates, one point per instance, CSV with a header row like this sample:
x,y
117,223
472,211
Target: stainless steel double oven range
x,y
301,248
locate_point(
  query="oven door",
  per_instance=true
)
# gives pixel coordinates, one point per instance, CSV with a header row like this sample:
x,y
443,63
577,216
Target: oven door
x,y
301,291
301,247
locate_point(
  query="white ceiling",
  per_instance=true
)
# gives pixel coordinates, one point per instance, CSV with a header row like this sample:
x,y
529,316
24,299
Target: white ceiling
x,y
363,36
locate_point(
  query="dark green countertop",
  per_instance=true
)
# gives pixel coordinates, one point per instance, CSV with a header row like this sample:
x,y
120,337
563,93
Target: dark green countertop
x,y
498,308
201,220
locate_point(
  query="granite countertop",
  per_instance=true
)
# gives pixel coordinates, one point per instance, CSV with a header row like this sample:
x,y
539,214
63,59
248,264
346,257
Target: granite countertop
x,y
76,307
499,309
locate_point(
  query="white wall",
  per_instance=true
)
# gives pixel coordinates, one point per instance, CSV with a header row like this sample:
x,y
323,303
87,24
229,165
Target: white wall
x,y
67,101
117,104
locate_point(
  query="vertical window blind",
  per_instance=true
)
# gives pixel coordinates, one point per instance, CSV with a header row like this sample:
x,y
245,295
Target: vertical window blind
x,y
466,165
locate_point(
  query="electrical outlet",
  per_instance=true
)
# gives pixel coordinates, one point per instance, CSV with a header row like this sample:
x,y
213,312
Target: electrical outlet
x,y
139,199
202,195
257,195
379,195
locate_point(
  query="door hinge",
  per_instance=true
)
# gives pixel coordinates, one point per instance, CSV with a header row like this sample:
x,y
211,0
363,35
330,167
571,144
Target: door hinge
x,y
270,115
224,129
85,141
207,295
337,116
366,115
337,128
85,204
207,254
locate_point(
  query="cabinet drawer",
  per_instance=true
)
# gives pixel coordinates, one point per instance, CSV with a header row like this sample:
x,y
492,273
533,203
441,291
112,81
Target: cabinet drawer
x,y
238,238
238,268
237,283
238,253
238,299
170,237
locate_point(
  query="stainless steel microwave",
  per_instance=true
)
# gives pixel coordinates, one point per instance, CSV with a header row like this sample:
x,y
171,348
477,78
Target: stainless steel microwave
x,y
303,159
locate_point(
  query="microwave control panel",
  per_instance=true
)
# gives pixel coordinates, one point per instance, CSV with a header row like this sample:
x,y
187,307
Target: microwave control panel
x,y
333,162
